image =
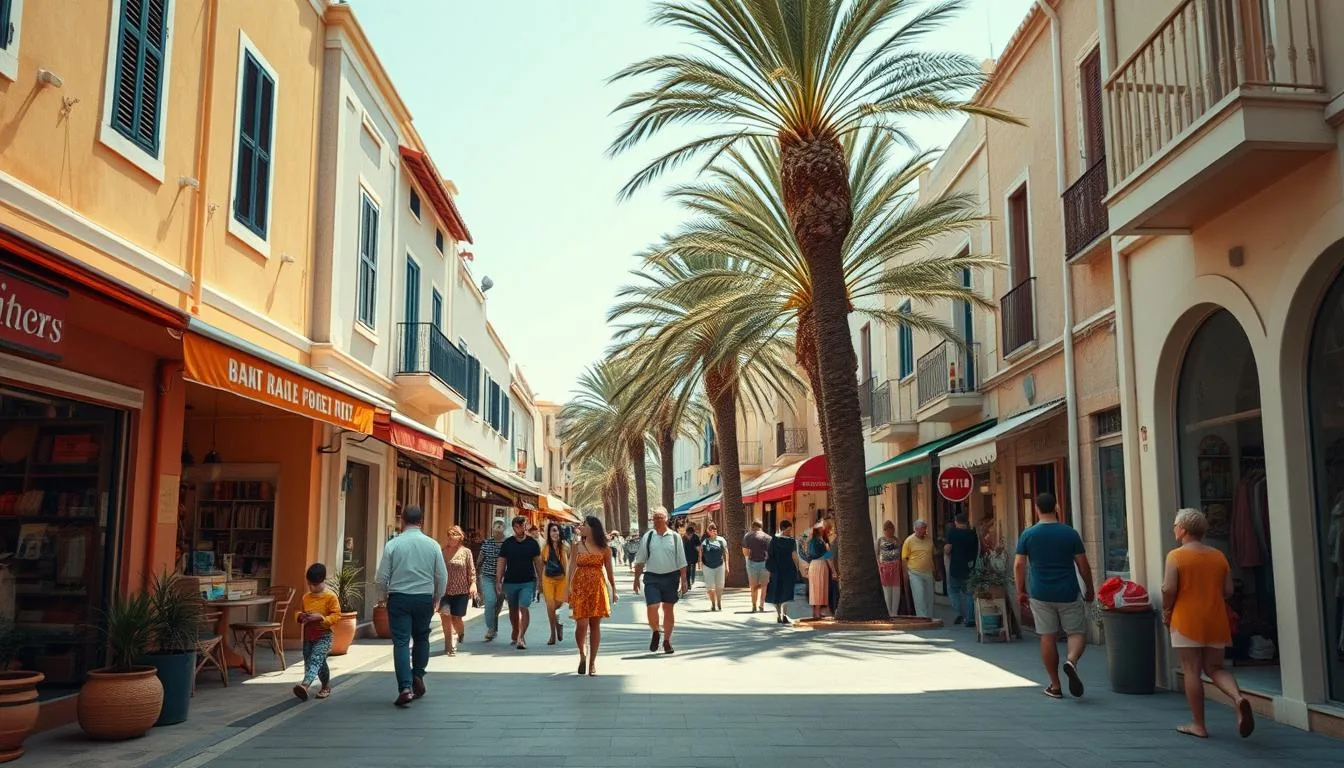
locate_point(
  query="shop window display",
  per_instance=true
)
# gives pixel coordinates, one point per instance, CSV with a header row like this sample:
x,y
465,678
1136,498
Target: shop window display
x,y
1326,397
60,500
1222,462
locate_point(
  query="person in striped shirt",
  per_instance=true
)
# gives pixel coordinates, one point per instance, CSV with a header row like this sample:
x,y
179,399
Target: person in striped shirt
x,y
485,569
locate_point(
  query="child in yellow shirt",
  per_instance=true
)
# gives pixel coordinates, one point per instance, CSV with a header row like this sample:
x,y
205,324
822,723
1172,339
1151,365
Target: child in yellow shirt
x,y
320,610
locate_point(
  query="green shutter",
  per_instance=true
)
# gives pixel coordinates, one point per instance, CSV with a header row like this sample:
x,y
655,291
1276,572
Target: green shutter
x,y
6,24
142,36
255,115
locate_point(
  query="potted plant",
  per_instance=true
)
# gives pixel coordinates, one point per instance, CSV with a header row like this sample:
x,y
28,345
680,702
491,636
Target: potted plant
x,y
18,693
348,585
989,583
172,649
382,628
123,699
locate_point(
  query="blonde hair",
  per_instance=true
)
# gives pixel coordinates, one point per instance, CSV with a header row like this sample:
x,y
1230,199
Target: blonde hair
x,y
1193,522
456,530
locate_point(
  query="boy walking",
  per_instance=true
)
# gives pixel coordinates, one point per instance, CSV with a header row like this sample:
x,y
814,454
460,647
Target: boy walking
x,y
320,610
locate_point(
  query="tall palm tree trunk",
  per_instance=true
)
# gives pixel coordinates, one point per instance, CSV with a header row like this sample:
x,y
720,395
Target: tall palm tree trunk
x,y
608,503
721,390
667,444
637,460
622,517
805,348
817,198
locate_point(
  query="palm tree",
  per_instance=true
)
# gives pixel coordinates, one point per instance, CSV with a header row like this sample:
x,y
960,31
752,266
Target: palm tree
x,y
805,73
711,340
601,424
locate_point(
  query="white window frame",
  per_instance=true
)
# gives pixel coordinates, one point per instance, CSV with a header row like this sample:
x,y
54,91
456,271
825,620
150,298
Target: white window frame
x,y
236,228
1102,443
9,56
107,135
415,195
366,190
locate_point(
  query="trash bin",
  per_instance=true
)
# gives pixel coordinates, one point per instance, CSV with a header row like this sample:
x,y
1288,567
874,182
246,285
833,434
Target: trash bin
x,y
1131,650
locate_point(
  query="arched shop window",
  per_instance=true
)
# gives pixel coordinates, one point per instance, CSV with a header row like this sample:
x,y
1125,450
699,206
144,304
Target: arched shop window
x,y
1222,464
1325,391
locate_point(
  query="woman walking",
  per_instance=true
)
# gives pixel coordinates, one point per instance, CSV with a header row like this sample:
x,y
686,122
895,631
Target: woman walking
x,y
590,570
461,588
1195,589
714,559
692,544
555,560
889,567
784,566
819,569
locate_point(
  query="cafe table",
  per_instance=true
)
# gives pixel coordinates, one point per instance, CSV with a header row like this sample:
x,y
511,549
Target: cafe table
x,y
237,611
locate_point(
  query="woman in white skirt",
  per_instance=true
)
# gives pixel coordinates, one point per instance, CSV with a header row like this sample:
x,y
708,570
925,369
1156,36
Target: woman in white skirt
x,y
714,565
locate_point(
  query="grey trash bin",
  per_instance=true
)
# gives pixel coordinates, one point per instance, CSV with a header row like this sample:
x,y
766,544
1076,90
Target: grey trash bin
x,y
1131,650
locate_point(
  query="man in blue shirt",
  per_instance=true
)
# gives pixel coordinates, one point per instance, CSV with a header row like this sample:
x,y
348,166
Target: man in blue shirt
x,y
1055,553
413,576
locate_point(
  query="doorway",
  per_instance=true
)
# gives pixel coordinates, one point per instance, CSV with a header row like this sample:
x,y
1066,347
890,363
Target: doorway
x,y
355,543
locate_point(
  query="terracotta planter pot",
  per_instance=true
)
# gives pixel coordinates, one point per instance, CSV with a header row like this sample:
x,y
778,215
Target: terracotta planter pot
x,y
119,705
18,711
343,633
381,627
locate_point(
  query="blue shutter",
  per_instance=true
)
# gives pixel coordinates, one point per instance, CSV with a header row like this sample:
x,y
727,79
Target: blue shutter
x,y
257,107
436,306
473,383
6,29
137,96
368,262
907,338
504,415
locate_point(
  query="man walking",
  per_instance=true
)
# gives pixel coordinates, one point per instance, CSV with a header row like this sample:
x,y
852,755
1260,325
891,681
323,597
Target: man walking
x,y
487,566
1056,556
755,548
517,575
662,554
917,552
413,577
962,549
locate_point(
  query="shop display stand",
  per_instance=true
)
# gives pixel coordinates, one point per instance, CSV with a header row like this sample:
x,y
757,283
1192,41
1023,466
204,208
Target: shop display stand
x,y
231,510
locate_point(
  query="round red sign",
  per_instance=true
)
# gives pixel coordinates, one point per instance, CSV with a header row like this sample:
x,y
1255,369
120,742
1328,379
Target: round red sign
x,y
954,483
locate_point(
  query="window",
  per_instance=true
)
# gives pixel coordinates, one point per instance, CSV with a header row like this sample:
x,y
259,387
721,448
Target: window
x,y
473,381
866,352
367,281
438,240
1114,518
1019,237
415,204
1093,133
505,414
906,340
436,306
11,19
253,150
137,78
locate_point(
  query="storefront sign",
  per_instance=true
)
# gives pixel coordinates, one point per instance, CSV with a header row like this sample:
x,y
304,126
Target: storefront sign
x,y
955,484
233,370
32,315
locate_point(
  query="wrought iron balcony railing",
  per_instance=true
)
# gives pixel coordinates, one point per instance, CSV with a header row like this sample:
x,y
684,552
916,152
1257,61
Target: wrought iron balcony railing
x,y
790,440
424,349
947,369
1017,313
1085,217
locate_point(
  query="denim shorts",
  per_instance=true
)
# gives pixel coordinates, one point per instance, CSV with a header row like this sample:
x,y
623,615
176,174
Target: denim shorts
x,y
756,573
520,595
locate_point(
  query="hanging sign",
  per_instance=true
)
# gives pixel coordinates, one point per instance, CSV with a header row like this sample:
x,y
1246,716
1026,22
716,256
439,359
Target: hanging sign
x,y
955,484
32,315
223,367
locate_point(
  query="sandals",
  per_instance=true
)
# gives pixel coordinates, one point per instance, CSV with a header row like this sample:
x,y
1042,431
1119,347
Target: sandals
x,y
1053,692
1189,730
1075,682
324,693
1245,718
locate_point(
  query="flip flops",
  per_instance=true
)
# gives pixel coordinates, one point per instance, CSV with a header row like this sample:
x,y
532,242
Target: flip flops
x,y
1245,718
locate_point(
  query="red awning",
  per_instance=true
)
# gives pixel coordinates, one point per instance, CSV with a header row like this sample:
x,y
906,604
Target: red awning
x,y
429,179
807,475
403,434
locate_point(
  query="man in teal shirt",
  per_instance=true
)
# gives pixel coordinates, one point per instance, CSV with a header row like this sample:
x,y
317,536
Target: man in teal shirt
x,y
413,576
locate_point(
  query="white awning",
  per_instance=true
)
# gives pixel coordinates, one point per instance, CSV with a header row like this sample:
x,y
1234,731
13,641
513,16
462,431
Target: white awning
x,y
984,448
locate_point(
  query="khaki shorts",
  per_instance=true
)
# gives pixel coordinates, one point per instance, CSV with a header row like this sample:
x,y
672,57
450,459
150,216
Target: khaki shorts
x,y
1053,618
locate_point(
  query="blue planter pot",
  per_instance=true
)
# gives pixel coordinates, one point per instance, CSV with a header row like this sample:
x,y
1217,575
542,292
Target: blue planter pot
x,y
175,672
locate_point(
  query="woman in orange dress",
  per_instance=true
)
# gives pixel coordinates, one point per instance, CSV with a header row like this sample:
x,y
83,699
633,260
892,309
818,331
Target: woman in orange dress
x,y
1195,589
590,571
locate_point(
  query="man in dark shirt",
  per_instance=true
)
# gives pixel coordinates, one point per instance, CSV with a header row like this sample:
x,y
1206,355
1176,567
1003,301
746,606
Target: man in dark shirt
x,y
518,574
962,548
691,541
755,547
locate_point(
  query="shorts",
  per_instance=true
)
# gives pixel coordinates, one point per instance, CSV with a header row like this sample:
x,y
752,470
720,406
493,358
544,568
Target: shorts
x,y
714,578
553,588
1181,641
1053,618
521,594
454,604
757,575
662,588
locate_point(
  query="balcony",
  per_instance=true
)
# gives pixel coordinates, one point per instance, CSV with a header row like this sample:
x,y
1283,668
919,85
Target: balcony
x,y
1085,220
947,383
1223,99
749,455
866,389
893,410
790,441
431,371
1017,316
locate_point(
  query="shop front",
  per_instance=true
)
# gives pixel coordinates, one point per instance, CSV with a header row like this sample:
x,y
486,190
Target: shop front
x,y
796,492
86,396
912,474
250,515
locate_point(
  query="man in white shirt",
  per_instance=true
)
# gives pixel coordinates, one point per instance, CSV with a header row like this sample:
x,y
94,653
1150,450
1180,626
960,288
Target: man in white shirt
x,y
413,577
661,560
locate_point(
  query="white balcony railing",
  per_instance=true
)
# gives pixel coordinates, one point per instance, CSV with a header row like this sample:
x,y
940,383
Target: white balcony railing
x,y
1204,52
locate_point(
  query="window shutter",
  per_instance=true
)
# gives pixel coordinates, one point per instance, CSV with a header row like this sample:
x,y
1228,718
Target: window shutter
x,y
254,146
1094,131
1019,254
504,415
137,88
368,261
6,29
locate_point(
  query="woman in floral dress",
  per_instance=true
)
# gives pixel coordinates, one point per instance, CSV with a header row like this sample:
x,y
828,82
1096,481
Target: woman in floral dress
x,y
590,571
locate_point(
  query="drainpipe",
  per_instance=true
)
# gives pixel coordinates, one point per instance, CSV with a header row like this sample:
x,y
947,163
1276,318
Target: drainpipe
x,y
165,374
197,265
1070,386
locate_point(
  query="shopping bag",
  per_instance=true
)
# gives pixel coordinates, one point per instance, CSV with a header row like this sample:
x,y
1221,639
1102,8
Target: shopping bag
x,y
1120,594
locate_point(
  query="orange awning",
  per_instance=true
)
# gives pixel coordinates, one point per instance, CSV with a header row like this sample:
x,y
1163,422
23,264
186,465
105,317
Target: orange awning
x,y
397,430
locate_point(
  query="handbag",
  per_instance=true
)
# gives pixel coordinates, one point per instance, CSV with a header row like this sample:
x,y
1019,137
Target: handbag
x,y
554,569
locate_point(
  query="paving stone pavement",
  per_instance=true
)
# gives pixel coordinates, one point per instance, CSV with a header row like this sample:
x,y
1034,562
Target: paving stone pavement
x,y
744,691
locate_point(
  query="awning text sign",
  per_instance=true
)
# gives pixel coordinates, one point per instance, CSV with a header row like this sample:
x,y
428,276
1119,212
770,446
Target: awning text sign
x,y
32,315
217,365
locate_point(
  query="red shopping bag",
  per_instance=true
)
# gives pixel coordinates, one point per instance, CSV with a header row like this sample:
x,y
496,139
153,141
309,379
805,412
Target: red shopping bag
x,y
1118,594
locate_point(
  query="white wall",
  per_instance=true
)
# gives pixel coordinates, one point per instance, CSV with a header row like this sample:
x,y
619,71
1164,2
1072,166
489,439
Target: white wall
x,y
416,241
469,329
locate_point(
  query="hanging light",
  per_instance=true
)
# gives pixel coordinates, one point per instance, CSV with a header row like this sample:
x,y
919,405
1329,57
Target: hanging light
x,y
187,458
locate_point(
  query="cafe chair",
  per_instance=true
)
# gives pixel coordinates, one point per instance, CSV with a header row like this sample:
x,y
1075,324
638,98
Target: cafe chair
x,y
210,649
250,634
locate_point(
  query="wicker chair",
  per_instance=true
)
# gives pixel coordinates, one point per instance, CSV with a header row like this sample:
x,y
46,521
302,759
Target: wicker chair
x,y
210,648
250,634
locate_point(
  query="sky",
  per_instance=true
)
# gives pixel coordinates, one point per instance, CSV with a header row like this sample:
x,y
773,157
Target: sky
x,y
513,102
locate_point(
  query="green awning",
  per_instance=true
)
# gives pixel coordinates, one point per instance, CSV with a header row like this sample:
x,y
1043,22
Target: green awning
x,y
917,460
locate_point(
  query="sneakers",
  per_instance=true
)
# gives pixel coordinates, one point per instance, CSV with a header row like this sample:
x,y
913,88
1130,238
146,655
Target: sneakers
x,y
1075,682
653,642
418,687
301,692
